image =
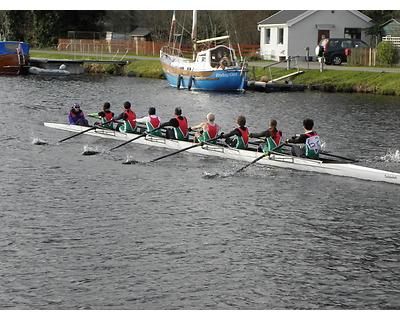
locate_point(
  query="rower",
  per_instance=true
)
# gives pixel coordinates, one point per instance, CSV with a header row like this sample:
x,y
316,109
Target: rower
x,y
241,132
106,116
152,122
273,137
209,129
310,144
180,127
77,117
129,125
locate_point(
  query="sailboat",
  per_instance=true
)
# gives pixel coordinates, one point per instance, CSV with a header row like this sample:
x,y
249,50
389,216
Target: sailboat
x,y
215,68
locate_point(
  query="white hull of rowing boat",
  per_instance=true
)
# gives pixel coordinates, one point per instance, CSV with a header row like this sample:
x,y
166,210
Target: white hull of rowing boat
x,y
283,161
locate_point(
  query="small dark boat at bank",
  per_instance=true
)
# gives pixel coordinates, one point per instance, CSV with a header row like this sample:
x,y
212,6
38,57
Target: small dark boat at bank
x,y
14,57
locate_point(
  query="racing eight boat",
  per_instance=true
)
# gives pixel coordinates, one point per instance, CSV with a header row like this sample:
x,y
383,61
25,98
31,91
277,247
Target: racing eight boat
x,y
338,166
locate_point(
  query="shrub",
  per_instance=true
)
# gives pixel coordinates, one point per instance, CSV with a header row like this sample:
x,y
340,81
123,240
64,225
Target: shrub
x,y
254,56
387,53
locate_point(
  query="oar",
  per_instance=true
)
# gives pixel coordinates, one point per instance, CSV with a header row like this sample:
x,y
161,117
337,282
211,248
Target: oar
x,y
332,155
260,157
339,157
184,149
82,132
133,139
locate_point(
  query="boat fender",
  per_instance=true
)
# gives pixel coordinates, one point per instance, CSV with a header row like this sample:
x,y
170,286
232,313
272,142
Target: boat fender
x,y
224,62
178,83
190,82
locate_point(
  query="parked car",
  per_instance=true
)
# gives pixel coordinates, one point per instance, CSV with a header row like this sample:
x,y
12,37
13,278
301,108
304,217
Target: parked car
x,y
335,50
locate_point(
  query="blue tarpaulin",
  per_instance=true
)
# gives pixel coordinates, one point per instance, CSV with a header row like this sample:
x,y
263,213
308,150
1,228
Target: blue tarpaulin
x,y
7,47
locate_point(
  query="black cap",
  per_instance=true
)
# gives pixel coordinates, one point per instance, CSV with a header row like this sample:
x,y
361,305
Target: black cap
x,y
127,105
152,111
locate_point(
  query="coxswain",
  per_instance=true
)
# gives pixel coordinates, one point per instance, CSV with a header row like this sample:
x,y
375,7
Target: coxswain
x,y
180,126
241,132
152,122
106,116
273,137
209,129
129,125
77,117
309,142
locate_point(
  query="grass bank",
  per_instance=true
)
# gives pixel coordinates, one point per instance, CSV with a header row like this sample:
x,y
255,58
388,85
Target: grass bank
x,y
351,81
330,80
384,83
136,68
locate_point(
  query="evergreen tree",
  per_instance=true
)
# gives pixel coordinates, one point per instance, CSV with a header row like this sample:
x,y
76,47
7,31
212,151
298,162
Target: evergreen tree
x,y
17,25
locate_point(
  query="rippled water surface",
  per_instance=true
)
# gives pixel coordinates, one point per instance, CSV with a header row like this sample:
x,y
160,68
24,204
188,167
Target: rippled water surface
x,y
86,232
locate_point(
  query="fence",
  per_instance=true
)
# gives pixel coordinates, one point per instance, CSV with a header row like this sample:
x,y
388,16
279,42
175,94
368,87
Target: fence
x,y
394,40
132,47
365,57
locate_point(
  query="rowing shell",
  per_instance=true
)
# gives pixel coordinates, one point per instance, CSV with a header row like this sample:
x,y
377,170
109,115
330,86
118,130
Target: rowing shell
x,y
336,168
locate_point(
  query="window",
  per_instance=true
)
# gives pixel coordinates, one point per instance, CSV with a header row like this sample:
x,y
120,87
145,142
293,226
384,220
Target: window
x,y
267,36
346,44
352,33
280,35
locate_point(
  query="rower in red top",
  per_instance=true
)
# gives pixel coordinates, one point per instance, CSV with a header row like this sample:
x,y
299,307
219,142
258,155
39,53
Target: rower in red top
x,y
152,122
241,132
180,127
310,144
106,115
209,129
129,125
273,137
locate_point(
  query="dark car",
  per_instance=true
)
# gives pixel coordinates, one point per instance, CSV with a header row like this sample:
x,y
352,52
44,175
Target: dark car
x,y
334,49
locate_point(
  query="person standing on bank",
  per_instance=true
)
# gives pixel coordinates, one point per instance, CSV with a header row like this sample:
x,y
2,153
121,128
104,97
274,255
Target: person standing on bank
x,y
209,129
241,132
129,125
273,137
77,117
152,122
180,127
309,142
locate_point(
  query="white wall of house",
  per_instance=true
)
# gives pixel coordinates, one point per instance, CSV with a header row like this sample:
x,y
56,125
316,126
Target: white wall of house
x,y
304,33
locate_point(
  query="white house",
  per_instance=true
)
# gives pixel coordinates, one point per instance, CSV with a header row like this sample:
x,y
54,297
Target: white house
x,y
289,32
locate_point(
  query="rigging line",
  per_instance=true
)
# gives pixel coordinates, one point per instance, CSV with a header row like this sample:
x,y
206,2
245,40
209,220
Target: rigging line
x,y
184,22
183,28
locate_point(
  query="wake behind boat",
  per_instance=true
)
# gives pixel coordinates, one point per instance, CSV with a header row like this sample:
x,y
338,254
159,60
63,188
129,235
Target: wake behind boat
x,y
212,69
333,167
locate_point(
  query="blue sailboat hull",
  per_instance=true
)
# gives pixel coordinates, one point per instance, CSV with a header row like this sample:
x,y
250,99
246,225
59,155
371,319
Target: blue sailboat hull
x,y
218,80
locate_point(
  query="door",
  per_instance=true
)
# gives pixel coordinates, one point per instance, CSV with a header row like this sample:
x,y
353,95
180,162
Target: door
x,y
322,34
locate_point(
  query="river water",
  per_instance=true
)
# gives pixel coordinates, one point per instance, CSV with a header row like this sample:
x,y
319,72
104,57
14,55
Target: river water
x,y
86,232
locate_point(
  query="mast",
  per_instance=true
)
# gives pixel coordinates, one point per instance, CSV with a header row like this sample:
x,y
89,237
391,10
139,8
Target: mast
x,y
171,30
194,33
